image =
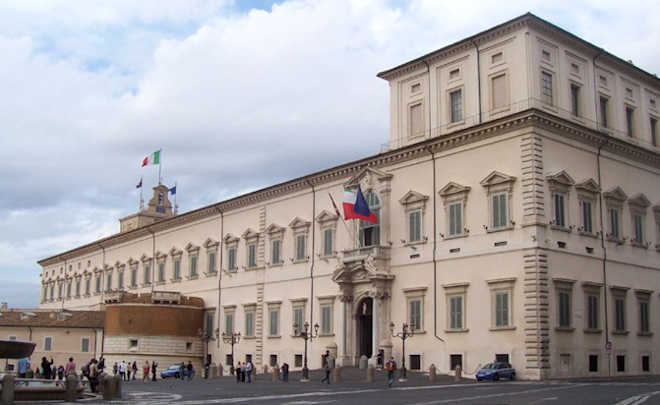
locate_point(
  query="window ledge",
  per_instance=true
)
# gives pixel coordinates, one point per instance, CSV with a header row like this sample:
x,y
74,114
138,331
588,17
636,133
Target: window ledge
x,y
234,270
332,256
593,331
211,274
249,337
614,240
415,243
639,245
254,268
457,330
326,334
588,234
620,332
645,334
274,337
564,329
160,282
295,261
561,228
456,124
504,228
193,277
501,328
146,284
461,235
175,280
279,264
132,287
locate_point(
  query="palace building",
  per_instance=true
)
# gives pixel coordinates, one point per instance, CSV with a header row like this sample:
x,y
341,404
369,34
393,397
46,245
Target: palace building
x,y
518,210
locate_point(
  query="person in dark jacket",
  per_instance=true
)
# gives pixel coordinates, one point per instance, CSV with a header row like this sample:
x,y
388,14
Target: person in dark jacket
x,y
154,367
45,365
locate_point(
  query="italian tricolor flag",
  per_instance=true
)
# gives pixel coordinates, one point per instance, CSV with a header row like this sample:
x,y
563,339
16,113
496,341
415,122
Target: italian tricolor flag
x,y
152,159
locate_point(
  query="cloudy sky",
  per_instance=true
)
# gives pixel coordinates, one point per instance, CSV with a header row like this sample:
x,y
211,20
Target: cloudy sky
x,y
238,94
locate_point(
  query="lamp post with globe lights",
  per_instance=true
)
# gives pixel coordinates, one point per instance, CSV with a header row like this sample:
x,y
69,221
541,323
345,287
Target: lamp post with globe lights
x,y
231,339
306,334
407,332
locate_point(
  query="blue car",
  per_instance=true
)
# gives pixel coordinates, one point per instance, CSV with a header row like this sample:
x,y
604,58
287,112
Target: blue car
x,y
175,371
495,371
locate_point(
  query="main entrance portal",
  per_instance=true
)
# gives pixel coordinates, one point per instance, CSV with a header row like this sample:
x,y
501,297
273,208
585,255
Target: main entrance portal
x,y
365,327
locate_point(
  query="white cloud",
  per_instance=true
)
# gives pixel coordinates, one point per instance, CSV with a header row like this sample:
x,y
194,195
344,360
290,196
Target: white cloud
x,y
236,100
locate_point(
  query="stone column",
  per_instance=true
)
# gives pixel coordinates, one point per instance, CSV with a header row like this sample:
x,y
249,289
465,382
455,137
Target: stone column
x,y
375,334
346,330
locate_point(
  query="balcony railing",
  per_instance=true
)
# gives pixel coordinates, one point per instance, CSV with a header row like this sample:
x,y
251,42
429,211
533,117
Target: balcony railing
x,y
361,253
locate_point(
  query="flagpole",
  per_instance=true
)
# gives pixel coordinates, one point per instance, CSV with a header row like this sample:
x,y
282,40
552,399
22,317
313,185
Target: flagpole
x,y
176,207
350,233
160,163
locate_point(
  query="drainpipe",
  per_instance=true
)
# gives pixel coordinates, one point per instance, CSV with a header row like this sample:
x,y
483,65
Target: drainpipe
x,y
221,248
435,246
311,269
102,274
602,245
478,76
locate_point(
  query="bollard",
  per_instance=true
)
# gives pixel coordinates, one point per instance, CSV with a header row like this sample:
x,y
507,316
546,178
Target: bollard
x,y
458,371
336,375
108,388
276,374
363,362
117,386
7,389
71,385
221,370
265,368
99,380
432,374
371,374
213,371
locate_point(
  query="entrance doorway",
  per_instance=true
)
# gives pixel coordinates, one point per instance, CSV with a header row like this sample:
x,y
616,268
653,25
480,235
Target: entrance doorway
x,y
365,327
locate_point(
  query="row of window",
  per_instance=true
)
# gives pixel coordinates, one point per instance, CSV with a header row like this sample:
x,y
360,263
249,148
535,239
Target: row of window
x,y
48,344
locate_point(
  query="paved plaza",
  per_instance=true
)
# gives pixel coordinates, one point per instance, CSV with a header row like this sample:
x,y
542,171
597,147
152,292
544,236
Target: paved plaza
x,y
354,389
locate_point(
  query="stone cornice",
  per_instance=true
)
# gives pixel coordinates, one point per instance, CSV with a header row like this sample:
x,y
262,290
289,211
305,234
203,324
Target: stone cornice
x,y
523,119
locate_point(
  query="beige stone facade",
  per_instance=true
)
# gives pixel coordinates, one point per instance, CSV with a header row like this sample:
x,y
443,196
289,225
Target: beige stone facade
x,y
519,219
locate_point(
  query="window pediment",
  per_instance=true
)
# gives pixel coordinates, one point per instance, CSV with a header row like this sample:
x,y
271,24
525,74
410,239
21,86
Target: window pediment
x,y
368,176
560,178
190,248
326,216
107,268
231,239
160,255
175,252
145,258
119,265
413,199
615,194
497,180
589,186
639,201
275,230
299,225
250,234
211,243
453,189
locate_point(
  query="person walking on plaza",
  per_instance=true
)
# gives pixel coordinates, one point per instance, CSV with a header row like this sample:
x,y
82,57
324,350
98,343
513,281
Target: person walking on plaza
x,y
285,372
243,372
237,370
191,370
248,370
45,365
93,375
128,371
115,369
101,364
70,367
122,370
154,367
134,367
23,366
391,368
145,371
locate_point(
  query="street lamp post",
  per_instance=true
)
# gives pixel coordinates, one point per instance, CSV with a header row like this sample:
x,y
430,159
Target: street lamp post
x,y
307,335
231,339
406,332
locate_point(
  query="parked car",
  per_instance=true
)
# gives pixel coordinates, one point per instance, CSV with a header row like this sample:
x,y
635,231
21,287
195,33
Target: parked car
x,y
495,371
175,371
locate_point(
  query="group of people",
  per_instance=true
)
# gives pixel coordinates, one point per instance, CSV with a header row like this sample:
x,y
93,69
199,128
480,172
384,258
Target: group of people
x,y
46,369
244,370
128,371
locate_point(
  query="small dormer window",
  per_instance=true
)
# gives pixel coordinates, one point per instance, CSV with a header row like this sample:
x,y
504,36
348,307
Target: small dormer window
x,y
546,55
415,88
454,74
496,58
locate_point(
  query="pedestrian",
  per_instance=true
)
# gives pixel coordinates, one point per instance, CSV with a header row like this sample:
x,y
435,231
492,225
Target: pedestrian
x,y
93,375
285,372
145,371
128,370
60,372
248,369
101,364
327,367
237,370
191,371
122,370
70,367
53,370
154,367
23,366
115,369
45,365
391,368
243,371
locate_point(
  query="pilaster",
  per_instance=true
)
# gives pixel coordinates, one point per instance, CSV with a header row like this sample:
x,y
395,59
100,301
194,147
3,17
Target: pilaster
x,y
537,338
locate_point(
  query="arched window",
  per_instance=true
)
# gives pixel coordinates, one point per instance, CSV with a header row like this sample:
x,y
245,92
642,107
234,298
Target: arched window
x,y
370,233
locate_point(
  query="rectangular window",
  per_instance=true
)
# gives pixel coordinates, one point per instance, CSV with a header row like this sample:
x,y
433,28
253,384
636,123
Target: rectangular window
x,y
249,323
416,120
298,318
621,364
603,111
274,322
644,326
87,286
231,259
546,88
592,312
209,324
78,287
455,360
619,314
502,358
161,271
456,100
564,309
48,343
275,252
60,290
614,223
229,323
193,266
415,319
415,226
587,225
85,345
415,362
300,247
211,266
326,319
575,99
108,286
120,280
298,360
456,219
593,363
134,277
654,132
328,247
177,269
502,309
630,115
500,214
252,255
638,223
68,289
646,364
147,274
559,205
273,360
456,312
499,96
98,284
